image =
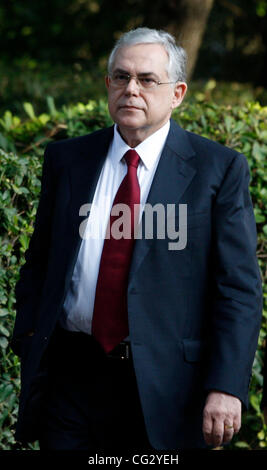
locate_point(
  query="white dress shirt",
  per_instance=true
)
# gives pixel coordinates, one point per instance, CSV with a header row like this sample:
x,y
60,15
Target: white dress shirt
x,y
79,303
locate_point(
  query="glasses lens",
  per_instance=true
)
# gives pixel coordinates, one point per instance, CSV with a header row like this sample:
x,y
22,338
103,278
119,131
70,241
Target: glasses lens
x,y
120,79
147,82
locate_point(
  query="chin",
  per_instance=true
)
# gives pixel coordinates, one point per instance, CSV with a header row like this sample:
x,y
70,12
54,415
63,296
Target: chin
x,y
129,122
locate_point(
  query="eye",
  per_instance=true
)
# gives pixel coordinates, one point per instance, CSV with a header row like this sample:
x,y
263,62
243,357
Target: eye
x,y
148,82
120,77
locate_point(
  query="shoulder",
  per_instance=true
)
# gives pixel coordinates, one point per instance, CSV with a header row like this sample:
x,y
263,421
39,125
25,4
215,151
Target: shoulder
x,y
204,146
209,153
68,149
221,159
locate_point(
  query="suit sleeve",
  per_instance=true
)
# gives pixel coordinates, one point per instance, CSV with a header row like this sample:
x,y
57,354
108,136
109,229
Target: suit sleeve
x,y
33,273
237,298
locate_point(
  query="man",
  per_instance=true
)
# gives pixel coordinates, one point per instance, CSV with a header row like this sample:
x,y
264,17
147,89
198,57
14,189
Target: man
x,y
132,342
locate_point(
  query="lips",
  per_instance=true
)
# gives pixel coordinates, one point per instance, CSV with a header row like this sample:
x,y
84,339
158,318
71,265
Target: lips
x,y
129,107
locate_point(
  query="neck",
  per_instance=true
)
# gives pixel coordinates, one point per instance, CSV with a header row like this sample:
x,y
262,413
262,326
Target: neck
x,y
131,138
134,137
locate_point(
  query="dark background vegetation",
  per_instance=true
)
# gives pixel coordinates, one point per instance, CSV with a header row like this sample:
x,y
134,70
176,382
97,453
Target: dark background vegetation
x,y
43,41
53,56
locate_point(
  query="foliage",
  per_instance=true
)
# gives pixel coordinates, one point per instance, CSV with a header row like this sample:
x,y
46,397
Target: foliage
x,y
67,84
22,144
82,82
71,31
234,45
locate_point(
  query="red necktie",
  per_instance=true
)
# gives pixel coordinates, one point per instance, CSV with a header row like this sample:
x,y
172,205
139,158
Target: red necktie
x,y
110,317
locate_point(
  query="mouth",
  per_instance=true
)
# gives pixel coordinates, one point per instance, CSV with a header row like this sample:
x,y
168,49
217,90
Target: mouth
x,y
130,107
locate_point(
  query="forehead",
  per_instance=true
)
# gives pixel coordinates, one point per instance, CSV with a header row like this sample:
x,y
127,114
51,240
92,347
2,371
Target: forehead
x,y
142,58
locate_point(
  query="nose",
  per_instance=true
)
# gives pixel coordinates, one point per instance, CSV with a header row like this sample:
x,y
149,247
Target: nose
x,y
132,86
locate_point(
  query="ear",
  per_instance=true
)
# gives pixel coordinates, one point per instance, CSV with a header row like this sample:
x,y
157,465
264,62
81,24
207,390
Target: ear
x,y
179,94
107,81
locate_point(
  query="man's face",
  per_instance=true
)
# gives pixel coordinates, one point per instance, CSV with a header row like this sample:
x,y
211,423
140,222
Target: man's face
x,y
141,112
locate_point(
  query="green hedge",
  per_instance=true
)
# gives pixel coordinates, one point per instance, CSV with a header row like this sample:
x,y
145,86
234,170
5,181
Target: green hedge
x,y
243,128
20,83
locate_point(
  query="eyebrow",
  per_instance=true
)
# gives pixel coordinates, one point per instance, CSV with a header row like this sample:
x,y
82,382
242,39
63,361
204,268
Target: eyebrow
x,y
141,74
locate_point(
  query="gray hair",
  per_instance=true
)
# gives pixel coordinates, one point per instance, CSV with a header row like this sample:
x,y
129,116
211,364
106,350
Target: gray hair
x,y
177,56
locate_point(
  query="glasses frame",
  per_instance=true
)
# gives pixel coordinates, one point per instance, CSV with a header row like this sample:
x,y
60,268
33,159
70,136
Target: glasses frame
x,y
137,80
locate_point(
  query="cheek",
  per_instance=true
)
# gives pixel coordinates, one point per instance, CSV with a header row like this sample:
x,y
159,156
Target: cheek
x,y
113,108
161,105
113,100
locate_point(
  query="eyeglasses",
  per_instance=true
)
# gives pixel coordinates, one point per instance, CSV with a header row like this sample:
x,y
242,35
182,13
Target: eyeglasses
x,y
120,80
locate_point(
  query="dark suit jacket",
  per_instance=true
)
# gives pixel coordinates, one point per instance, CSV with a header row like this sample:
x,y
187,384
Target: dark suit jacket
x,y
194,314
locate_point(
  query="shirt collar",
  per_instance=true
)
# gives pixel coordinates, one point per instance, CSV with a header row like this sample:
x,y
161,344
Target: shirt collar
x,y
149,150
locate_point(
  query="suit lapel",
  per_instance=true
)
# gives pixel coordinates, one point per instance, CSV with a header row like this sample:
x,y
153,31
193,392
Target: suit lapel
x,y
174,173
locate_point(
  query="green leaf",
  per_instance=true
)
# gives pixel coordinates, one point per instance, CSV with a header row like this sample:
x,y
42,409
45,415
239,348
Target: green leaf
x,y
44,118
3,342
4,142
4,330
51,105
228,123
261,435
29,110
259,217
24,241
239,125
5,391
242,445
254,400
7,121
3,312
258,152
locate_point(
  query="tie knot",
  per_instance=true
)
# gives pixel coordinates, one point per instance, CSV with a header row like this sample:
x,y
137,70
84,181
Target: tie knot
x,y
132,158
